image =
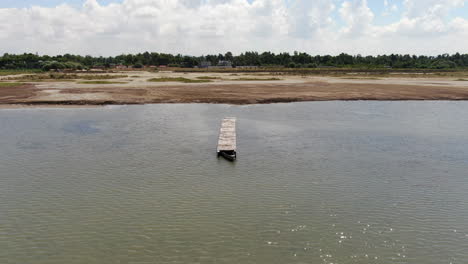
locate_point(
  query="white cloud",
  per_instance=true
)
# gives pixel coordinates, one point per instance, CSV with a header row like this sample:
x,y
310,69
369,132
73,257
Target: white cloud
x,y
416,8
308,18
427,19
357,16
389,8
212,26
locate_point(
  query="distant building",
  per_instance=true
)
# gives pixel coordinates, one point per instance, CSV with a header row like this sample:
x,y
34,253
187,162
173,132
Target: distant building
x,y
205,64
221,64
225,64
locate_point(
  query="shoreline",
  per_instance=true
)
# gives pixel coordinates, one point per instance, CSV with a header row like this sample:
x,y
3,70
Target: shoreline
x,y
72,105
137,89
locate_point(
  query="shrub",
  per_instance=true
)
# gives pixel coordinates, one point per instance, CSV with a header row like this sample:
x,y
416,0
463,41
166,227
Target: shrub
x,y
52,65
55,65
443,64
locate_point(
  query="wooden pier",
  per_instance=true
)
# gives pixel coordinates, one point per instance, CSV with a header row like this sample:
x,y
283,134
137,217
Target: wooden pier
x,y
227,139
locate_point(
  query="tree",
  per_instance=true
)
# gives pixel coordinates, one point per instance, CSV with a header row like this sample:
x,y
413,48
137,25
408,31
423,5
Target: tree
x,y
249,58
228,56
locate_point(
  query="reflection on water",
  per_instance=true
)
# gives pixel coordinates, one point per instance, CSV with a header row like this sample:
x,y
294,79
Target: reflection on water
x,y
329,182
81,127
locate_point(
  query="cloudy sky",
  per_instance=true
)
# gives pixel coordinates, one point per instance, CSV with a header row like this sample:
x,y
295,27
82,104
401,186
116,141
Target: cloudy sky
x,y
196,27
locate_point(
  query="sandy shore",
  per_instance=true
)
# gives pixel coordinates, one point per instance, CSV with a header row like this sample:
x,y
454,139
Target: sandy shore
x,y
228,88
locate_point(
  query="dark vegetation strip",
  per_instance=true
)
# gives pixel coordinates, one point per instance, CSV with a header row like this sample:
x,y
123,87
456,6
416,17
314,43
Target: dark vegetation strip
x,y
64,76
100,82
4,72
177,79
255,79
208,78
264,59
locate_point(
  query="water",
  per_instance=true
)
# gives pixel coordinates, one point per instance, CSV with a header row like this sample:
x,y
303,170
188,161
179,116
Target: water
x,y
322,182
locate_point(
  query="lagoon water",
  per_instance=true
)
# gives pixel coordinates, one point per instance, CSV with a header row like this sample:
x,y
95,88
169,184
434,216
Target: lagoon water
x,y
318,182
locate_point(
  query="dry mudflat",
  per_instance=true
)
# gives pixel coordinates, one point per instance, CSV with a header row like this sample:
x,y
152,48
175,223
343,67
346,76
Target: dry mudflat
x,y
142,87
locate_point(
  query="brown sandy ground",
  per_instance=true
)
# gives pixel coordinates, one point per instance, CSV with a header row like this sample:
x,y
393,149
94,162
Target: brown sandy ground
x,y
229,89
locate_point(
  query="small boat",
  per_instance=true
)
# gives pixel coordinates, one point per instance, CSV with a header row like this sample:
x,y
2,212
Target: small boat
x,y
229,155
227,139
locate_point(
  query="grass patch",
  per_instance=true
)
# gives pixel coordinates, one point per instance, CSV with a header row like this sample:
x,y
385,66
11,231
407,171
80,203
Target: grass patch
x,y
177,79
65,77
100,82
256,79
16,72
10,84
208,78
361,78
41,80
332,71
462,80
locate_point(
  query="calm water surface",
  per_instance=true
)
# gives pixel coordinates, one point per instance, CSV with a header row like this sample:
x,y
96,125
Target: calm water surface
x,y
328,182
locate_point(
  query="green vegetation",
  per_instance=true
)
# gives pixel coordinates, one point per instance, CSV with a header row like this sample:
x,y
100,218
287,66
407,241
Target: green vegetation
x,y
265,59
55,65
208,78
177,79
19,71
462,80
335,72
9,84
65,77
100,82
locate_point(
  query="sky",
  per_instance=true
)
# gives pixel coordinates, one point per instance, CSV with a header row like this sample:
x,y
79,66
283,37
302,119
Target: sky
x,y
200,27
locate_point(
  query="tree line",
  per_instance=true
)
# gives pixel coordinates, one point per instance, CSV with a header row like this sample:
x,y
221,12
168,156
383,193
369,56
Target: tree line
x,y
265,59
